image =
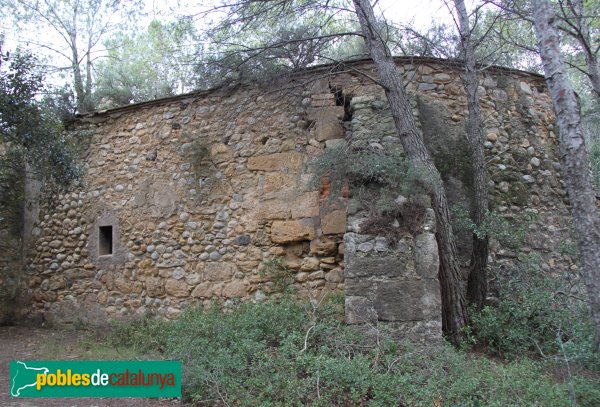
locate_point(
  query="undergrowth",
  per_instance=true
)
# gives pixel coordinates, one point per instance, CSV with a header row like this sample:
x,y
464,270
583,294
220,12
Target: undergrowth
x,y
544,318
279,274
291,354
538,313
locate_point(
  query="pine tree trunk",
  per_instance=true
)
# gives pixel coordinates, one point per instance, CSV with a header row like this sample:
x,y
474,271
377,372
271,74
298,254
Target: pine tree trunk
x,y
477,285
454,314
77,79
575,161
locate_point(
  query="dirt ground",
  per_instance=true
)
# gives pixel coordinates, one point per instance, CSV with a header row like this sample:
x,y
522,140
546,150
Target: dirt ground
x,y
24,343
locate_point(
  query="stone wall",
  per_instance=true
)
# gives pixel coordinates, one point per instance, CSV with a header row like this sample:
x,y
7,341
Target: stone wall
x,y
200,189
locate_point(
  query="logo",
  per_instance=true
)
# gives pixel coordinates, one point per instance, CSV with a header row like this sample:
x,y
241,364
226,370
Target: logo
x,y
95,378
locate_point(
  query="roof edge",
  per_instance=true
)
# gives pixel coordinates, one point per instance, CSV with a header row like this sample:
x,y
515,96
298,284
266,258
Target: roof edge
x,y
203,92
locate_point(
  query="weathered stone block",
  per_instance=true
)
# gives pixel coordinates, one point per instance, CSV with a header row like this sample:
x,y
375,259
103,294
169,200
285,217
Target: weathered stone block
x,y
220,153
427,261
177,288
56,283
442,77
242,240
194,278
236,288
328,122
408,300
171,263
334,222
219,271
306,205
154,286
275,182
289,161
391,266
203,290
123,286
273,209
360,287
335,276
323,246
309,264
292,231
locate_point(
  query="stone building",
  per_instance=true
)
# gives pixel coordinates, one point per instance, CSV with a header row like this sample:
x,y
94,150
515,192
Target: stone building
x,y
184,200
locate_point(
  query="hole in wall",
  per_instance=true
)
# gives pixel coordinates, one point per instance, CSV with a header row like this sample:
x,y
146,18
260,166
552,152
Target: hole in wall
x,y
342,99
105,240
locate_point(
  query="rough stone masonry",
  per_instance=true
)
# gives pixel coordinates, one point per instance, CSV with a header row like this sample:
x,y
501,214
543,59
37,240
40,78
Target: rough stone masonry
x,y
184,199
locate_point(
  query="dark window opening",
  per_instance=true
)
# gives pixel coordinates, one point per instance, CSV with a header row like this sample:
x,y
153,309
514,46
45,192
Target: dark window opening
x,y
343,100
105,240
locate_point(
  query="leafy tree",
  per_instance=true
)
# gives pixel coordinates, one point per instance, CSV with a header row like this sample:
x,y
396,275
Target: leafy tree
x,y
477,282
505,37
454,314
147,65
579,21
256,42
575,160
70,31
469,43
437,41
31,146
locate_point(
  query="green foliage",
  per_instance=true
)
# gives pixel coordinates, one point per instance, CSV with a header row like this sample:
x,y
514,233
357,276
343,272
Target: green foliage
x,y
288,354
569,248
30,136
506,41
147,65
197,154
383,182
509,229
142,335
30,143
260,42
537,313
66,34
437,40
278,273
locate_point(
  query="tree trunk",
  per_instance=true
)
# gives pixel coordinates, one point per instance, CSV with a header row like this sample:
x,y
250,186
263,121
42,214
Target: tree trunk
x,y
87,102
575,161
477,285
454,314
77,79
80,94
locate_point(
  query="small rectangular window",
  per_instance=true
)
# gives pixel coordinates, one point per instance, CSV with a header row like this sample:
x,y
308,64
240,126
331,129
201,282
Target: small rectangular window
x,y
105,240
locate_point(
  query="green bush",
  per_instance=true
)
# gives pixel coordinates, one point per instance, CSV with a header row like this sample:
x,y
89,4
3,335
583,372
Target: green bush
x,y
537,313
293,354
140,334
281,276
510,230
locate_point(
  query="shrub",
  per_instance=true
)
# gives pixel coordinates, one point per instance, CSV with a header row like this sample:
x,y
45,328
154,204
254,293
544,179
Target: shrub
x,y
281,276
537,313
287,353
509,229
